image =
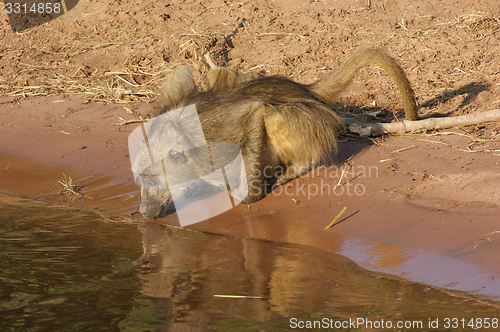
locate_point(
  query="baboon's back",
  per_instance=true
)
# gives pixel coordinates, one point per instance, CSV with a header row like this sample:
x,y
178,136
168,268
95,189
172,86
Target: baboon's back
x,y
273,90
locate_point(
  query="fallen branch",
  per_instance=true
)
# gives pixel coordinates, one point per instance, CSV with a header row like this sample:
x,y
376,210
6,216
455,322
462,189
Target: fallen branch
x,y
378,129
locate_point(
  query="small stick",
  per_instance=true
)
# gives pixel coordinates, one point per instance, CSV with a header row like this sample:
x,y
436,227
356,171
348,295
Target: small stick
x,y
238,296
341,176
127,122
404,149
209,60
336,218
131,214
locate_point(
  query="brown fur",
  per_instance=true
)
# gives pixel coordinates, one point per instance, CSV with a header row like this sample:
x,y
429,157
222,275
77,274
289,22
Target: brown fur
x,y
221,78
276,122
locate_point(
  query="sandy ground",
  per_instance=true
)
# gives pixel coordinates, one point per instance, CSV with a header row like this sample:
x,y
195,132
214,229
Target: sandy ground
x,y
429,210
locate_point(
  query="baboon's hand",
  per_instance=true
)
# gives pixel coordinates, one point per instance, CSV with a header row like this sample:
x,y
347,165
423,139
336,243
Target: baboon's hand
x,y
199,187
282,180
252,198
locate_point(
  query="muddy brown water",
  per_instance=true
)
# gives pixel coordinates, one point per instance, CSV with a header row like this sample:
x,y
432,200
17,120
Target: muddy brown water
x,y
68,269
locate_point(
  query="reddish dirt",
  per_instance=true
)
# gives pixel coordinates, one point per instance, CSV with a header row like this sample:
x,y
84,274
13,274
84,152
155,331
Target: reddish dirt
x,y
430,214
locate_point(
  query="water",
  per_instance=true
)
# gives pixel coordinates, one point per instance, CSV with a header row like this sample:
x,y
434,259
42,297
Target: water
x,y
64,269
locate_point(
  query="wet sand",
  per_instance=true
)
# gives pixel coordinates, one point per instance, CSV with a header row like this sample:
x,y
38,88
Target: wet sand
x,y
418,208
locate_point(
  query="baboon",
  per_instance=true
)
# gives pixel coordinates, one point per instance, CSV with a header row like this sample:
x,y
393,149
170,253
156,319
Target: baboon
x,y
281,126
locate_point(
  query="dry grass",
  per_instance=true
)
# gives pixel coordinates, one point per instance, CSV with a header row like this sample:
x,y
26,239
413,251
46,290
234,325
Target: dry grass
x,y
68,187
115,87
53,76
130,82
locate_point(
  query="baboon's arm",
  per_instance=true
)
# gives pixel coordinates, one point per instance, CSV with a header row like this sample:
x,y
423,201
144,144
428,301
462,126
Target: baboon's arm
x,y
179,86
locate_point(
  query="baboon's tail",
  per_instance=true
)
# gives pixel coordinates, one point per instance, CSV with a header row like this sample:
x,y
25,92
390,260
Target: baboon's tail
x,y
329,87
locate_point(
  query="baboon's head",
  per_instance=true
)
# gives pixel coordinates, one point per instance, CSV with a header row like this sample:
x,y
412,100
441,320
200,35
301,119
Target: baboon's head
x,y
154,202
155,194
166,154
169,178
168,136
